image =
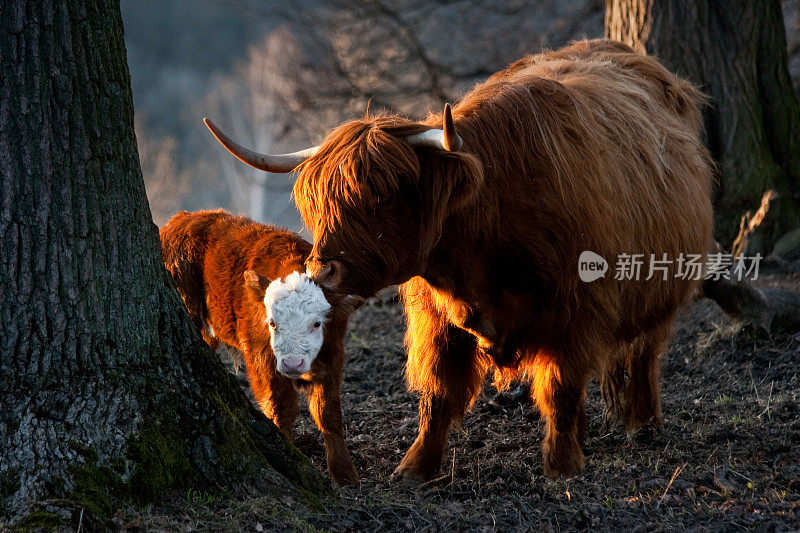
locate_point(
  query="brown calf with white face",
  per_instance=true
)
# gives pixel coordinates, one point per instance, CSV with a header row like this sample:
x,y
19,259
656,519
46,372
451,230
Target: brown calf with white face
x,y
241,284
482,214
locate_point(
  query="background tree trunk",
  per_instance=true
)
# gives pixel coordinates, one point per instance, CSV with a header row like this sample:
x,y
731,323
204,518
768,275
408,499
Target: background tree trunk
x,y
736,51
107,392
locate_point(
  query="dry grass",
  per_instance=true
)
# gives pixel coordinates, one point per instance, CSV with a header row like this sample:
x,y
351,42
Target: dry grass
x,y
728,459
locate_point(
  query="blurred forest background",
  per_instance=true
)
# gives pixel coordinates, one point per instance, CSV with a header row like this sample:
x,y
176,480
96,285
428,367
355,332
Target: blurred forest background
x,y
277,75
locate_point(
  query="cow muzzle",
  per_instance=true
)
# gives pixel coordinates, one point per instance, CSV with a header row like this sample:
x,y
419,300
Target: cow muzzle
x,y
327,275
293,367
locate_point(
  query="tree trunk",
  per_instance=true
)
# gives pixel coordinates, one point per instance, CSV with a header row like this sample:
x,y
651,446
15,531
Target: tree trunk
x,y
108,394
736,52
766,309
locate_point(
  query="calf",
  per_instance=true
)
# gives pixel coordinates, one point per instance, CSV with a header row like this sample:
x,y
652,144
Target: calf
x,y
291,337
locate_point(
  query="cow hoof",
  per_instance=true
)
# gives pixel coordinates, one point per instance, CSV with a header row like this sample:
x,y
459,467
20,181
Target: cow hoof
x,y
346,480
554,471
650,425
345,475
645,434
406,476
612,419
343,472
563,462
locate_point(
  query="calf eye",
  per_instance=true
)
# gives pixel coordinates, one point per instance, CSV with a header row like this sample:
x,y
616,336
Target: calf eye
x,y
272,324
317,324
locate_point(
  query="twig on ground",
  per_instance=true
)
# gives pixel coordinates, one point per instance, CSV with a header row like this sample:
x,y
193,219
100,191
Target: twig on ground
x,y
453,472
732,471
433,482
753,382
677,472
769,400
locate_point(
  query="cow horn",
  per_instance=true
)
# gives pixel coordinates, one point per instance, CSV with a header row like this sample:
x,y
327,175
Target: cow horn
x,y
446,138
268,163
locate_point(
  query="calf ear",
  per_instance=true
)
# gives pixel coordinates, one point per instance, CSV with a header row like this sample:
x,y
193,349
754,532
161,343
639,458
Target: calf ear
x,y
352,301
253,280
346,306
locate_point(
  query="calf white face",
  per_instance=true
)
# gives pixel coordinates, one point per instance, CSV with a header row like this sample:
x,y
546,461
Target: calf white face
x,y
296,313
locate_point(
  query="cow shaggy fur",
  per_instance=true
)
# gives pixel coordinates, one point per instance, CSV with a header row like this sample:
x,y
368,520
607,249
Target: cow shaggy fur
x,y
290,336
590,147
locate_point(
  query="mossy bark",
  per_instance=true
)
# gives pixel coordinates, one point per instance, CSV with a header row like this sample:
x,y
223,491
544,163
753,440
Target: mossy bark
x,y
107,392
736,52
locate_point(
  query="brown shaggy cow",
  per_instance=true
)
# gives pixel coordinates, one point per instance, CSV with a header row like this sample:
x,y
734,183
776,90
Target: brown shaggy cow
x,y
482,214
222,266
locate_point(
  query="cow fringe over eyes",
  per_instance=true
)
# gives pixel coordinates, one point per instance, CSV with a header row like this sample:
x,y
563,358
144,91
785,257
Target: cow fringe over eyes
x,y
332,192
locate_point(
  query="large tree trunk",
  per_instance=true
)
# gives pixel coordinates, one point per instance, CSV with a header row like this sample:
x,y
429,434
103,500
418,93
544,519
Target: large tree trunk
x,y
107,392
736,51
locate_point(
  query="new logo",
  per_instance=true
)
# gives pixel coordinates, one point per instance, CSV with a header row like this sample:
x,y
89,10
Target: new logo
x,y
591,266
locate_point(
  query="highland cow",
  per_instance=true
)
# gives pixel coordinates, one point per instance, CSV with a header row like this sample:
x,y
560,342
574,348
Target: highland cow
x,y
291,338
482,213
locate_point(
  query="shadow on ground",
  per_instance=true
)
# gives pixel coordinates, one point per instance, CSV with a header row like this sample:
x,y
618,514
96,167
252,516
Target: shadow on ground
x,y
728,458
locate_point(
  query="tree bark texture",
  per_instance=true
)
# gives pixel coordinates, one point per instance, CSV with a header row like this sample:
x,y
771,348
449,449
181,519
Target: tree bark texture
x,y
735,50
107,392
766,309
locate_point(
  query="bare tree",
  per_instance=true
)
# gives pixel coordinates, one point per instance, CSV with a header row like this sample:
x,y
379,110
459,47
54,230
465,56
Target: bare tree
x,y
409,56
166,180
251,104
328,62
736,52
107,392
791,19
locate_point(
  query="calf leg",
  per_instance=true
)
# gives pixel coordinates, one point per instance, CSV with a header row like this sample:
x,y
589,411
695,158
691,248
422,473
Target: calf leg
x,y
443,366
326,410
559,390
273,392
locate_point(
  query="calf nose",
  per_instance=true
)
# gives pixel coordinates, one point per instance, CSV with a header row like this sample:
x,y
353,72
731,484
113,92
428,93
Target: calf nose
x,y
294,364
329,274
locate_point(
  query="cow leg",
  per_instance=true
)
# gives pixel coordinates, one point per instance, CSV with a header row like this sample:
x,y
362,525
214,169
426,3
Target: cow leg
x,y
443,366
559,390
642,392
612,389
580,423
423,459
326,410
273,392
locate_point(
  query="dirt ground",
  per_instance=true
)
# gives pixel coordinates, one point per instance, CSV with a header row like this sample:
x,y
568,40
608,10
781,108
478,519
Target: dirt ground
x,y
728,458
